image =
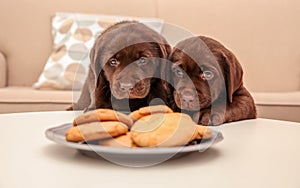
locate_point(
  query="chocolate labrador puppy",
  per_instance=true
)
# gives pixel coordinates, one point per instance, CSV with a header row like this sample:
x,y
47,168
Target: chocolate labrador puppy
x,y
207,79
125,72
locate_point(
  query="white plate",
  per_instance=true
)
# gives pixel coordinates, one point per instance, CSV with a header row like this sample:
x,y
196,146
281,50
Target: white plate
x,y
131,156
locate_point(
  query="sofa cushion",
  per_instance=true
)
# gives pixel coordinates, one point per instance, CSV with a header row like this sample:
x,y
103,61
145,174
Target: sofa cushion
x,y
277,98
278,105
74,35
26,99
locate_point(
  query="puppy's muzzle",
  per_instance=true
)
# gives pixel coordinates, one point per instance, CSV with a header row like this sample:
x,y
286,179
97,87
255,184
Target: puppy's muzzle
x,y
188,98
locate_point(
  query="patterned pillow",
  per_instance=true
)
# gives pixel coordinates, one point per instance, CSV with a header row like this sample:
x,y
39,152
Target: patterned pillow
x,y
73,37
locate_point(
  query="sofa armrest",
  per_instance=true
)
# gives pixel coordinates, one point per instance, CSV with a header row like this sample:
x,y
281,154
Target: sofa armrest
x,y
3,70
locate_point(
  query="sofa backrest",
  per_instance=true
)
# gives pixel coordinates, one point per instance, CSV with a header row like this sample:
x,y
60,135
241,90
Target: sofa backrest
x,y
25,30
264,35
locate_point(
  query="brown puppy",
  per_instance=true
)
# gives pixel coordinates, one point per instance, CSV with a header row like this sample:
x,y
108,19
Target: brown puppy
x,y
125,69
207,79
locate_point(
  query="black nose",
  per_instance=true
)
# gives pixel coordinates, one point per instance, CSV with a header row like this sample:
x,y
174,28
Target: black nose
x,y
126,86
188,96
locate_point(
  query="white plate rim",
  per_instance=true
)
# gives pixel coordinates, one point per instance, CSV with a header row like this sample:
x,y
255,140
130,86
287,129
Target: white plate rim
x,y
51,134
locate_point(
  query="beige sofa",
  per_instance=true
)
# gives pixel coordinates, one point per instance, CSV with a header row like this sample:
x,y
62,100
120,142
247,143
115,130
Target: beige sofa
x,y
264,35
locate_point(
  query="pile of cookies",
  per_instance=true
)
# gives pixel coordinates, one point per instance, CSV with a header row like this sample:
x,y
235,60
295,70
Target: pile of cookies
x,y
151,126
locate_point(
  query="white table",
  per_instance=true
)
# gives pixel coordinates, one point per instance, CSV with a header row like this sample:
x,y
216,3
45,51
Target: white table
x,y
254,153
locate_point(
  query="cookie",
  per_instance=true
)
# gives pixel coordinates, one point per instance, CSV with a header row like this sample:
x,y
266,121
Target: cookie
x,y
95,131
164,130
123,141
204,132
144,111
102,115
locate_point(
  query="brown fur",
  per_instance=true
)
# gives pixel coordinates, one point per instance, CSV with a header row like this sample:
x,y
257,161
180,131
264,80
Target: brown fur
x,y
222,98
109,86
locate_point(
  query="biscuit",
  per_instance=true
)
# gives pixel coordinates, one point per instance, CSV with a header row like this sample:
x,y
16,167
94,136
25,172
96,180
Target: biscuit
x,y
204,132
95,131
164,130
102,115
144,111
123,141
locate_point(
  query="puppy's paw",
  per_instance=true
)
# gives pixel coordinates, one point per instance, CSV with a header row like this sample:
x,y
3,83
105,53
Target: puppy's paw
x,y
217,119
205,117
202,117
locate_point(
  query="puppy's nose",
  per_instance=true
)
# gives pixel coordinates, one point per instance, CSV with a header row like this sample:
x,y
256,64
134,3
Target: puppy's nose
x,y
126,86
188,96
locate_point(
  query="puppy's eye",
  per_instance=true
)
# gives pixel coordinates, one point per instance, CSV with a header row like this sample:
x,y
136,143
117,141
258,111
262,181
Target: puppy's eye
x,y
179,72
142,60
113,62
207,75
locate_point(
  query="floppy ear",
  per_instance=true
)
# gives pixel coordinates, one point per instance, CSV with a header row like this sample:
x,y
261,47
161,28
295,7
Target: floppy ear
x,y
161,89
102,92
165,50
84,101
165,71
233,73
92,92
